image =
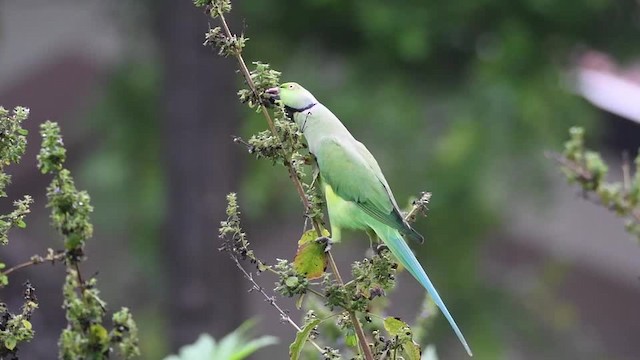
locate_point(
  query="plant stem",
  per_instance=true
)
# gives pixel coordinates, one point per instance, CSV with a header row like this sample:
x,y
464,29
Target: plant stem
x,y
35,260
79,276
315,292
585,175
247,76
272,302
296,182
420,205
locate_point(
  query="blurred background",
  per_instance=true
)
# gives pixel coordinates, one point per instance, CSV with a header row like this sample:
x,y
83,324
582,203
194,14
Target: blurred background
x,y
460,98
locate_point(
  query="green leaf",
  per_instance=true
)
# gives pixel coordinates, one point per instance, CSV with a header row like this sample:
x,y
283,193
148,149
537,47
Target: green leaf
x,y
411,351
301,338
291,281
401,331
10,343
253,345
395,326
21,224
26,324
351,339
234,346
311,259
203,348
98,332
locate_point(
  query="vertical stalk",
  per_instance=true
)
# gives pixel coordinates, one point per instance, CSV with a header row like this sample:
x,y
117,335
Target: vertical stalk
x,y
362,340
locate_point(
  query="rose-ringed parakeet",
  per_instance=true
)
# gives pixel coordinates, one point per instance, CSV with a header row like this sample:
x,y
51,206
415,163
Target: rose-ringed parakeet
x,y
357,193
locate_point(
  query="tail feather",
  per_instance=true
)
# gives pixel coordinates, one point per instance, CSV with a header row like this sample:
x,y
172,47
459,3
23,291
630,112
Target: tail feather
x,y
410,233
401,250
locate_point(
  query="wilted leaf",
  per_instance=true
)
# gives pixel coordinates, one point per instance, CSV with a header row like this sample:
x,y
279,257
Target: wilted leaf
x,y
311,259
301,338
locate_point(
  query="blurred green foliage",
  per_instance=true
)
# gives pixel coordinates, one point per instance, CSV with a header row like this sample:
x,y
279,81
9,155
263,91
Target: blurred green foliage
x,y
127,168
456,98
15,328
587,169
234,346
13,142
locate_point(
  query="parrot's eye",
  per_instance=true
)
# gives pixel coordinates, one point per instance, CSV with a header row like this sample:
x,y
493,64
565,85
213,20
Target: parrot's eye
x,y
291,86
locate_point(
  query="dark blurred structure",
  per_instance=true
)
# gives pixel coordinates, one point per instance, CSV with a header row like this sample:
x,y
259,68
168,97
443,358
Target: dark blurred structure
x,y
202,167
456,98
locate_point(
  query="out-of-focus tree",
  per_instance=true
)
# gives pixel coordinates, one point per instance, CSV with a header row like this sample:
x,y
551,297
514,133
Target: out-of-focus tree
x,y
166,153
201,169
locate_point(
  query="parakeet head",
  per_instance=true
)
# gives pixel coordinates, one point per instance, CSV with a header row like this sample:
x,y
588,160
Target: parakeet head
x,y
293,96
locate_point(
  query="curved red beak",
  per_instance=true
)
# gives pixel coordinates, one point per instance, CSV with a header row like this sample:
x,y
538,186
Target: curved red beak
x,y
274,93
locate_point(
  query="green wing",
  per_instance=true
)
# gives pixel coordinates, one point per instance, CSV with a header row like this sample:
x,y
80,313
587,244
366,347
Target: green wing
x,y
371,161
358,178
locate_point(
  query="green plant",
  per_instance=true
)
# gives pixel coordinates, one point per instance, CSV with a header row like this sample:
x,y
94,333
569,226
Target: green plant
x,y
85,336
586,168
234,346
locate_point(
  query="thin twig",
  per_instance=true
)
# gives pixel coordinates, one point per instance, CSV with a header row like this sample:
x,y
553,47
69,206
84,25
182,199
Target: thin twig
x,y
577,168
315,292
37,259
247,76
586,176
272,301
419,206
298,185
79,276
239,140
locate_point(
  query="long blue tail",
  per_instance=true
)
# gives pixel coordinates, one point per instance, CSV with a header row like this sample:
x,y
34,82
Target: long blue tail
x,y
401,250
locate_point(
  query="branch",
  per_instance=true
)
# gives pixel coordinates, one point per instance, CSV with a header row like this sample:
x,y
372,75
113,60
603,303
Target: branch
x,y
51,256
296,182
271,300
419,206
585,176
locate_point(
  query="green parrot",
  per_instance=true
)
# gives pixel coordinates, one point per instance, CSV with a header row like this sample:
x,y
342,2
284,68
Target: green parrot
x,y
357,194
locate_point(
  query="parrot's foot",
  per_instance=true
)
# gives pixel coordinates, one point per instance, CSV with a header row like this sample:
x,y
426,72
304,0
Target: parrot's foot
x,y
326,242
380,248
